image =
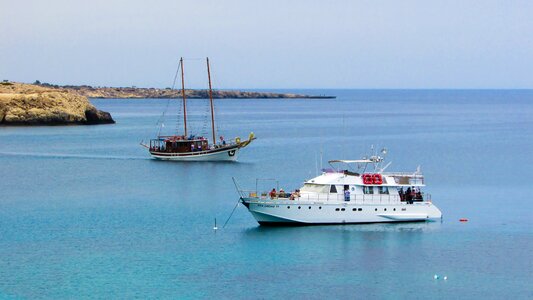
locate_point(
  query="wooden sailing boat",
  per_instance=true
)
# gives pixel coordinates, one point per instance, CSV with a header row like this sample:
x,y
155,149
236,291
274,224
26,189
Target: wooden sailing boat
x,y
196,148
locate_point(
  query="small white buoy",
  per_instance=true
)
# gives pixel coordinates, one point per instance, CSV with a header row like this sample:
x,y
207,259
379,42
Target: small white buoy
x,y
445,278
215,228
435,276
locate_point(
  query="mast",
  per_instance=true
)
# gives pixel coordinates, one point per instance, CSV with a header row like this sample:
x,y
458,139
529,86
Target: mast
x,y
211,101
184,100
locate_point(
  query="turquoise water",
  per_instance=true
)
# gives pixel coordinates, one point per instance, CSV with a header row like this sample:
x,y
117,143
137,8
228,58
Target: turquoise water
x,y
85,214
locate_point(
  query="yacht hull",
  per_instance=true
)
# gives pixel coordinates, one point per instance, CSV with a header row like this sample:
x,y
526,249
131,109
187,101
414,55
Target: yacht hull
x,y
291,213
226,154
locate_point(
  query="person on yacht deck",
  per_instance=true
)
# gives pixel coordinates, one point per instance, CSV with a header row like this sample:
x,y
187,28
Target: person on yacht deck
x,y
272,193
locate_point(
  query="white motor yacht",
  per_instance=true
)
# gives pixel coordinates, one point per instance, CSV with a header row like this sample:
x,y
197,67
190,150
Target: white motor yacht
x,y
362,193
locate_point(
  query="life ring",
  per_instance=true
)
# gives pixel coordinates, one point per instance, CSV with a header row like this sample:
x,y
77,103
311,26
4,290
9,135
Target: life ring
x,y
377,179
237,140
372,179
367,179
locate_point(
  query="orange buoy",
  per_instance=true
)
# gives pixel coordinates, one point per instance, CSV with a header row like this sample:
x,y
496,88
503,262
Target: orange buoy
x,y
463,220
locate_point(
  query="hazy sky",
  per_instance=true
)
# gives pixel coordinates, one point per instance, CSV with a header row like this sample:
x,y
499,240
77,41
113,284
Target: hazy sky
x,y
270,44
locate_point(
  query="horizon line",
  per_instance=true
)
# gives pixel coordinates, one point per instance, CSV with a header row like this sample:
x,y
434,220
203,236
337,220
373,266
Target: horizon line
x,y
299,88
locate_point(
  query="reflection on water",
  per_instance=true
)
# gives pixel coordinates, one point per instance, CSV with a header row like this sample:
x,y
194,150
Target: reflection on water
x,y
333,229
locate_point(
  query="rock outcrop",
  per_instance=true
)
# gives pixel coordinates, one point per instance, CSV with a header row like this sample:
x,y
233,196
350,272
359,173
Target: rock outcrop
x,y
28,104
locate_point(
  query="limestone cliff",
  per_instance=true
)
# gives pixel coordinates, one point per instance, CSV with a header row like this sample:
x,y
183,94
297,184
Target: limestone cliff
x,y
28,104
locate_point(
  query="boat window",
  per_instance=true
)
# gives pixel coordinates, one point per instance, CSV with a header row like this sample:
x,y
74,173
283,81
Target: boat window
x,y
368,189
333,189
315,188
383,190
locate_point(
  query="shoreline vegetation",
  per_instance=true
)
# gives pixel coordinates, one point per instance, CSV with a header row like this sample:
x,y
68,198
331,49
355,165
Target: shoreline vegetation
x,y
33,105
166,93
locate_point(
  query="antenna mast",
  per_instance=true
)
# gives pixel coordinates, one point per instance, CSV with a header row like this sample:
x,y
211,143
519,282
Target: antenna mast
x,y
184,100
211,101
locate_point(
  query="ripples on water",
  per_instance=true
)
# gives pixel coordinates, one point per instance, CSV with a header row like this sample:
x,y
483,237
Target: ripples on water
x,y
85,213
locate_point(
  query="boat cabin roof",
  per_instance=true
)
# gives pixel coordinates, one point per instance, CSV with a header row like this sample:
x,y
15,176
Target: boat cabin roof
x,y
181,139
350,178
350,161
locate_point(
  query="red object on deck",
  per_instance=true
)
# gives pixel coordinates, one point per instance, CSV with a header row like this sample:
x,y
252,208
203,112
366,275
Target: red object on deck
x,y
463,220
367,179
377,179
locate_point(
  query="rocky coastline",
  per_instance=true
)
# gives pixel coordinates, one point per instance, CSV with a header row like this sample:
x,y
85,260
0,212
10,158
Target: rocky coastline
x,y
39,103
28,104
143,93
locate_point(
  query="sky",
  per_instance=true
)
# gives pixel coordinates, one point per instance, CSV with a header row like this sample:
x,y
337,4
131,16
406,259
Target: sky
x,y
270,44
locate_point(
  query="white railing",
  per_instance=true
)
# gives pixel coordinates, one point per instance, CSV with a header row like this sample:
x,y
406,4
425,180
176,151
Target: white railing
x,y
324,197
405,174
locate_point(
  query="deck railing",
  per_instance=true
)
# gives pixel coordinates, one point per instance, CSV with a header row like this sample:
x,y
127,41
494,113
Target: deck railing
x,y
325,197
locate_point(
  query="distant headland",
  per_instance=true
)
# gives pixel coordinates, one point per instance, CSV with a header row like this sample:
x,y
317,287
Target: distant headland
x,y
48,104
30,104
158,93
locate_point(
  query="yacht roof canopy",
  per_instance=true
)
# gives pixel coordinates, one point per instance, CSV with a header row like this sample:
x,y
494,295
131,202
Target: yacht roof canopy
x,y
351,161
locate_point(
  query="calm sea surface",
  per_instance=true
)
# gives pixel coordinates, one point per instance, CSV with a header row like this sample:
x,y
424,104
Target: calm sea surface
x,y
84,212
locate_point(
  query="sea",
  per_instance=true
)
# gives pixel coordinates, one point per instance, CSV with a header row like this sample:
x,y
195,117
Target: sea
x,y
85,212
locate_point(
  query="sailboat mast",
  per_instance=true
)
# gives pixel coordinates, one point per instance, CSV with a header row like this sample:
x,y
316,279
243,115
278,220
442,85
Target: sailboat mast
x,y
211,101
184,99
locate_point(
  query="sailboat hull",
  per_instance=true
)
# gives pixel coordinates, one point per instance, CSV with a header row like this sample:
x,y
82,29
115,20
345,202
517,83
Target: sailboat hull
x,y
226,154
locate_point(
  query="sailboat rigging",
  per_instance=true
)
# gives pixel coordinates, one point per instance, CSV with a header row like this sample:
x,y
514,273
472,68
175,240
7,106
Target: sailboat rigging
x,y
187,147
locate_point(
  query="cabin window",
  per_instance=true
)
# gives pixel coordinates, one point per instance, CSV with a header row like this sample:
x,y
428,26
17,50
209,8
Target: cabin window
x,y
368,190
383,190
333,189
315,188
